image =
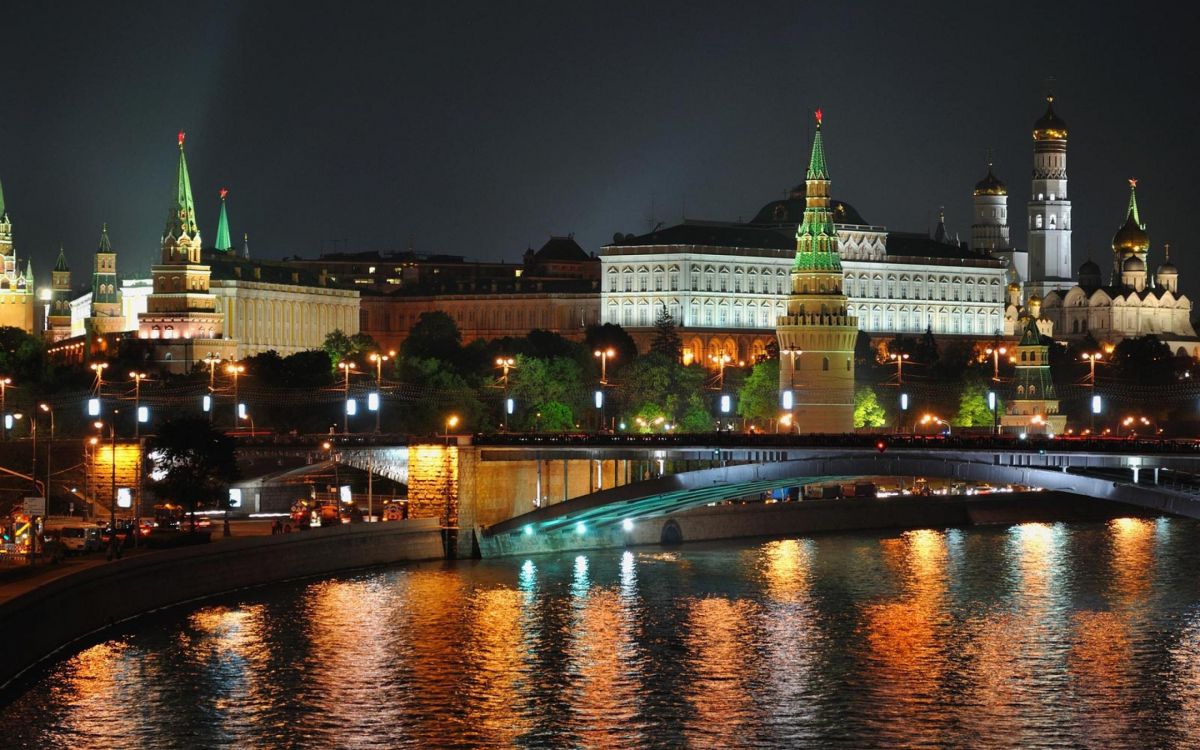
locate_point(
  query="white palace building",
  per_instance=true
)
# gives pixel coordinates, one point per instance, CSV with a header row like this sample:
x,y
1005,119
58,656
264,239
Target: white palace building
x,y
725,284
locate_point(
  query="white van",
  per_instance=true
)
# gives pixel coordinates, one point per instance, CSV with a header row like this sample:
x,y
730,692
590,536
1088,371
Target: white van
x,y
80,538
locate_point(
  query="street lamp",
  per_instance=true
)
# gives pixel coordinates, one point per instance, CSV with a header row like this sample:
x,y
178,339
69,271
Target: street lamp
x,y
49,450
212,360
928,418
137,377
379,358
451,423
604,355
996,352
346,367
721,360
506,364
993,404
113,548
99,368
235,369
1091,358
4,384
899,360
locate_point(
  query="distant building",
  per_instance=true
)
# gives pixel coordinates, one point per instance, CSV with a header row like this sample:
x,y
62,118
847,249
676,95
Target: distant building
x,y
556,289
1133,302
58,316
16,284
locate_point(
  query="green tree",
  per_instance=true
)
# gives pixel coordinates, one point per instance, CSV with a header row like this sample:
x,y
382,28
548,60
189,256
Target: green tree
x,y
695,416
441,392
758,398
196,463
434,336
536,384
867,410
666,339
973,408
555,417
339,346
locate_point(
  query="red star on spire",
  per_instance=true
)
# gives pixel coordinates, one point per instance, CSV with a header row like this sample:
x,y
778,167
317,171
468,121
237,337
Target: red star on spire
x,y
182,135
1132,182
224,192
819,116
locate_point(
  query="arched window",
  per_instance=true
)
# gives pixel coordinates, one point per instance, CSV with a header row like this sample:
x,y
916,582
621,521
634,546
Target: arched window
x,y
825,363
1037,221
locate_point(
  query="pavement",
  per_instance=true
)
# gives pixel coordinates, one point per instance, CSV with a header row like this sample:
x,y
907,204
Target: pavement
x,y
20,578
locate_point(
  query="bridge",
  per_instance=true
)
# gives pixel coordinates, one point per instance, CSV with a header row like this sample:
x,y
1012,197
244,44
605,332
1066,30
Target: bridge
x,y
505,492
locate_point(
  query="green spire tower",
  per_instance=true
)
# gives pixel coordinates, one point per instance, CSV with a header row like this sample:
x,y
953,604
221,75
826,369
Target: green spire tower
x,y
58,322
106,297
224,244
817,336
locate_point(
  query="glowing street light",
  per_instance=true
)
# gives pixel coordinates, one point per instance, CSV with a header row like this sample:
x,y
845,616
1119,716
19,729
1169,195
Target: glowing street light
x,y
931,418
235,369
996,352
506,364
899,360
4,384
347,368
604,355
379,358
451,423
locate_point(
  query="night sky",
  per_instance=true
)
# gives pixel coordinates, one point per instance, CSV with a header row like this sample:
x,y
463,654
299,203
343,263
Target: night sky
x,y
480,129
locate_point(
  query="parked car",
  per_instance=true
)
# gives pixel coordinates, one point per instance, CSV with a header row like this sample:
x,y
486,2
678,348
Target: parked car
x,y
80,539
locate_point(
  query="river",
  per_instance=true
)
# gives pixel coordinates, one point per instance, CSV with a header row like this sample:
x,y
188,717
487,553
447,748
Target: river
x,y
1030,636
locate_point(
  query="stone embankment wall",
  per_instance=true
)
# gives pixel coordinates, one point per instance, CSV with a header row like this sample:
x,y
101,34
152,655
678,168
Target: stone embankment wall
x,y
66,609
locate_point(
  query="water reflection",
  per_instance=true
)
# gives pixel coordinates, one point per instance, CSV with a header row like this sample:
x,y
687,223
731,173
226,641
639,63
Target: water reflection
x,y
1034,636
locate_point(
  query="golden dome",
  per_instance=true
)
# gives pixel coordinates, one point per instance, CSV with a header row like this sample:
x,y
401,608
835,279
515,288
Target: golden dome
x,y
1035,300
1014,287
990,185
1050,127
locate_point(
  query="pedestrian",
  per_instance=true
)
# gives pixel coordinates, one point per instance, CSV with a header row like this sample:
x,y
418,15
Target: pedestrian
x,y
287,528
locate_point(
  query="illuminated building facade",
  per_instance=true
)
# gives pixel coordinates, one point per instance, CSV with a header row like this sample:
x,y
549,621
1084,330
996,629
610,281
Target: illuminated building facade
x,y
17,301
1049,230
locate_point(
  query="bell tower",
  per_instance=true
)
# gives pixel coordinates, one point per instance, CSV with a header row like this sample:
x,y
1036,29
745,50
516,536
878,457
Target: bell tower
x,y
1049,208
816,337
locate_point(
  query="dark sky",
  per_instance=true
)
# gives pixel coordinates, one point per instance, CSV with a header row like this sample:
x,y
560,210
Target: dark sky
x,y
479,129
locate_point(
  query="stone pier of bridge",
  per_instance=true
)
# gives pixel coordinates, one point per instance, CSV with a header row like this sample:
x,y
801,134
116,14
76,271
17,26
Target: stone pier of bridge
x,y
465,485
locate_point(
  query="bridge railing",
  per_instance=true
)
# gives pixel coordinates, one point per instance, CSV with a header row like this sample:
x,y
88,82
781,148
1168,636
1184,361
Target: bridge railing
x,y
883,442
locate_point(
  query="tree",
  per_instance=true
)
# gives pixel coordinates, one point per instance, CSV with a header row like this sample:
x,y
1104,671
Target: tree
x,y
550,386
1144,360
196,463
434,336
973,408
666,339
339,346
758,398
867,411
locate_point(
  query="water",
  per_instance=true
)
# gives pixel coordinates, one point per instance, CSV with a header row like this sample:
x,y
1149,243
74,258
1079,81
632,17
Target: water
x,y
1034,636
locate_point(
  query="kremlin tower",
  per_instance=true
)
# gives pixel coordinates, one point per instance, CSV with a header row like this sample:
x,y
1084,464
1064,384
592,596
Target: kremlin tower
x,y
181,306
1049,209
816,336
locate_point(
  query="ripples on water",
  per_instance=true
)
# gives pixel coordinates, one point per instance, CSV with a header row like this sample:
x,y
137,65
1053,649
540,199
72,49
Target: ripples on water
x,y
1035,636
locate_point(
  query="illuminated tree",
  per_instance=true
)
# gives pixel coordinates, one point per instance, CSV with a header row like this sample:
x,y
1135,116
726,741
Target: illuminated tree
x,y
867,411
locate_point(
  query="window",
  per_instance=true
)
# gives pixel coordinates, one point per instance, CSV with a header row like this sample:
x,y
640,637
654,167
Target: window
x,y
825,363
1037,221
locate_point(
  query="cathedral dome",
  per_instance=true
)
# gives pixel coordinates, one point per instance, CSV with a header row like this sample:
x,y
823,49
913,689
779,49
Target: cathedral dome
x,y
791,210
1089,267
1167,269
1130,238
1090,276
1133,264
1035,300
1050,127
990,185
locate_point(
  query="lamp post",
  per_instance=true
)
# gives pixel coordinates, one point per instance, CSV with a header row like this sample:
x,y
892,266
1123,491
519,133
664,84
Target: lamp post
x,y
995,352
451,423
379,358
604,355
938,421
99,368
721,360
235,369
993,404
212,361
1091,358
505,364
4,384
346,367
49,451
113,547
137,377
899,360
